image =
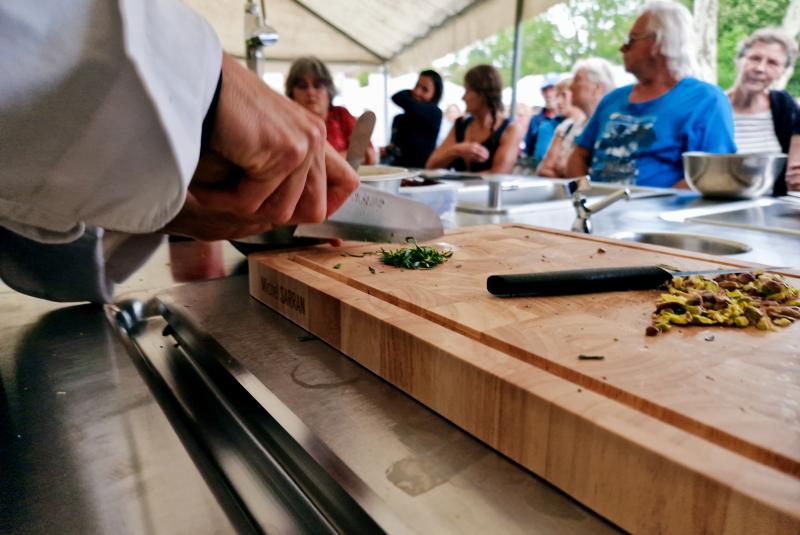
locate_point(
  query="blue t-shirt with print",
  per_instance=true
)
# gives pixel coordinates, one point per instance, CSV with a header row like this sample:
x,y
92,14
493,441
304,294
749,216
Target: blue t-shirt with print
x,y
642,142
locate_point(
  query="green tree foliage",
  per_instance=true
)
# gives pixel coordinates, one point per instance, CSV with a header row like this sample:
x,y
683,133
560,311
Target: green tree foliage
x,y
737,19
597,28
588,28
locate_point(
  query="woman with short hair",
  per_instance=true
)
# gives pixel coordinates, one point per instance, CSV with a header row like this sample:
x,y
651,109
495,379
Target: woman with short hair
x,y
763,117
485,140
309,83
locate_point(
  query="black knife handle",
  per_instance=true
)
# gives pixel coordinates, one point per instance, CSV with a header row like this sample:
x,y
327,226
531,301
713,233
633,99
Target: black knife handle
x,y
578,281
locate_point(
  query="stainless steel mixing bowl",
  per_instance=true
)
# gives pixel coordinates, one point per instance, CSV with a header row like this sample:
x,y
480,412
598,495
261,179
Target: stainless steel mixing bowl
x,y
732,175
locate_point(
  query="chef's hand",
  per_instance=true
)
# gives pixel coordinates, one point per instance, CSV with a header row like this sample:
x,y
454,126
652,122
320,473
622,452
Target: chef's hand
x,y
471,151
267,160
210,218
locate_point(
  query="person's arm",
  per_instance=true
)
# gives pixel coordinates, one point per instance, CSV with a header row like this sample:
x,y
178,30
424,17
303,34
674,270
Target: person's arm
x,y
426,112
793,163
578,162
506,154
549,164
449,150
108,134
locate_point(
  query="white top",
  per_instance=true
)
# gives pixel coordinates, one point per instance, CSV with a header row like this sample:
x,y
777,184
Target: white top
x,y
101,110
754,132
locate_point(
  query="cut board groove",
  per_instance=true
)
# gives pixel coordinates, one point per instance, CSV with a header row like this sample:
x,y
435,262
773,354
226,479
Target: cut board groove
x,y
736,395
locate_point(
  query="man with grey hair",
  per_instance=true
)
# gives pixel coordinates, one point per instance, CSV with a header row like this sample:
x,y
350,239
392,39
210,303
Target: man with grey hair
x,y
638,132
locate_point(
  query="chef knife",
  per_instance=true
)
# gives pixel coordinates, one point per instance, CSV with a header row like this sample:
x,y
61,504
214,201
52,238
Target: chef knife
x,y
373,215
578,281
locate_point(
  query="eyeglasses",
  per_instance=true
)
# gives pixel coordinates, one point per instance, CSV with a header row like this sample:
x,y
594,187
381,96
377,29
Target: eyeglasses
x,y
630,39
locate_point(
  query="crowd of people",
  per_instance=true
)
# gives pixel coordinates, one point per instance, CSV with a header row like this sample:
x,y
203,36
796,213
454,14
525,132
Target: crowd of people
x,y
163,133
631,134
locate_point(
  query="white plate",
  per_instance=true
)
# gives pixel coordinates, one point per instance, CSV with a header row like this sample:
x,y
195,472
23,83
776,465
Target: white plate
x,y
381,173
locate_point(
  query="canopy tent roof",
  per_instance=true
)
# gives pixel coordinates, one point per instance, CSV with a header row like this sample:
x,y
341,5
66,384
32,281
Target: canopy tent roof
x,y
406,35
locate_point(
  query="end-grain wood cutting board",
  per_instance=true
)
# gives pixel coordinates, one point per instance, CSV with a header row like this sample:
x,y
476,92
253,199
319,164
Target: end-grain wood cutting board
x,y
693,431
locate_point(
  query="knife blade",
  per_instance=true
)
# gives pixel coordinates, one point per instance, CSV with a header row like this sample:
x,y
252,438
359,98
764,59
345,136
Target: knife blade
x,y
359,139
579,281
373,215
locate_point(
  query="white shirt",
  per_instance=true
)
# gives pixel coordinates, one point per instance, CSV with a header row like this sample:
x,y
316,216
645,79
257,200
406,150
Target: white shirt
x,y
755,132
101,110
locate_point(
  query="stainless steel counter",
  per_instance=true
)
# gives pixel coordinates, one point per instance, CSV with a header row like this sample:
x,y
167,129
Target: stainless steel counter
x,y
85,448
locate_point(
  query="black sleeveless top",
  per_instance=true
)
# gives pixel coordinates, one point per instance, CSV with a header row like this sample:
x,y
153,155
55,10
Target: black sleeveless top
x,y
491,143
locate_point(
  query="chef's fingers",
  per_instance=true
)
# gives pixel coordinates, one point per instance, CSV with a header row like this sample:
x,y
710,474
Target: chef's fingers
x,y
195,220
280,207
342,180
311,206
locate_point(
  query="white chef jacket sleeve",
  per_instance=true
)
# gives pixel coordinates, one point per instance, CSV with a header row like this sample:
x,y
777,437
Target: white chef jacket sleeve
x,y
101,111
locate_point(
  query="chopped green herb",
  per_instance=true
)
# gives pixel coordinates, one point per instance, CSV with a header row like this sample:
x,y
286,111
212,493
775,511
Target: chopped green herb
x,y
337,266
371,269
590,357
416,257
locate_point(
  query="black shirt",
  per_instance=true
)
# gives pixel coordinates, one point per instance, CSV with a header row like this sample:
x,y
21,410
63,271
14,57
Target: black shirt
x,y
414,132
492,143
786,120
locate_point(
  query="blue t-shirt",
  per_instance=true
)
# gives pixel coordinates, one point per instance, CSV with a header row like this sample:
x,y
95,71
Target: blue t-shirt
x,y
642,143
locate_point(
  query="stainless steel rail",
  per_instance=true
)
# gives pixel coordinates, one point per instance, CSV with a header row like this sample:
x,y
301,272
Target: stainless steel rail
x,y
268,471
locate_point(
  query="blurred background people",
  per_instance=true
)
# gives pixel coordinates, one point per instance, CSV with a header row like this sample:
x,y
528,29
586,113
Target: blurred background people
x,y
763,117
485,140
638,132
451,113
542,125
309,83
592,79
554,162
415,131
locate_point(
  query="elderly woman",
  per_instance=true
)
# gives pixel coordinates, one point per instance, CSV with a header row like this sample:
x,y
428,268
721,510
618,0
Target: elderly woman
x,y
309,83
763,117
485,140
554,162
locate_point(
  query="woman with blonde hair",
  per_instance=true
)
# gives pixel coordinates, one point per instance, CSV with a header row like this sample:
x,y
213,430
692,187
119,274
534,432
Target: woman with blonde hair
x,y
485,140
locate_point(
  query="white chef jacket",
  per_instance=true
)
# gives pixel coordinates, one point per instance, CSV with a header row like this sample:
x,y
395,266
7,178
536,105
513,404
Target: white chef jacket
x,y
101,111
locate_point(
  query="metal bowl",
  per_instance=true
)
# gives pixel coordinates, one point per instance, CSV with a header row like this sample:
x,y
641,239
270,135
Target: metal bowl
x,y
732,175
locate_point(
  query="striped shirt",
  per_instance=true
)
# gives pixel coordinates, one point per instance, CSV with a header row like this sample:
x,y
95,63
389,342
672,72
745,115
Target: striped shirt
x,y
754,132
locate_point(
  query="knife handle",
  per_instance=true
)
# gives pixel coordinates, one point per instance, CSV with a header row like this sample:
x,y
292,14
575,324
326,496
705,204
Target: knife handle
x,y
578,281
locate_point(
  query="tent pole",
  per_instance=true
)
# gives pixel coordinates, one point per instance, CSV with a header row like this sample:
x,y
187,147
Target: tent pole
x,y
386,127
516,57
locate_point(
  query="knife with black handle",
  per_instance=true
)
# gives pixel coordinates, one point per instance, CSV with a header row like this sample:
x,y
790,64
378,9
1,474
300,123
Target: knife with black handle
x,y
580,281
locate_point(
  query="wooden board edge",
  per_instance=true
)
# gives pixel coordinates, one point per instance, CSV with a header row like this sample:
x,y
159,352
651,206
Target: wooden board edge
x,y
719,492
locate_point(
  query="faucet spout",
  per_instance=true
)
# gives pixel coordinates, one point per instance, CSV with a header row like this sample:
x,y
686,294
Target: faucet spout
x,y
583,212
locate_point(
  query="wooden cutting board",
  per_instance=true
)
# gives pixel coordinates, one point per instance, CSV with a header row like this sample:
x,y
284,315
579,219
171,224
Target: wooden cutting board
x,y
693,431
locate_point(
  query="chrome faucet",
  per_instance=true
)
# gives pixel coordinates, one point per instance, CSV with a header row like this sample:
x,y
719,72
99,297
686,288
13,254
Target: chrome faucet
x,y
583,212
257,35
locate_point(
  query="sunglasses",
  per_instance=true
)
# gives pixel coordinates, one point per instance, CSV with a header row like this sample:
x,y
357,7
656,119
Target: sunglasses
x,y
630,39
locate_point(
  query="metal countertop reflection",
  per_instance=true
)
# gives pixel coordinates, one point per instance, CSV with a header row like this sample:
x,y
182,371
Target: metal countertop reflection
x,y
427,472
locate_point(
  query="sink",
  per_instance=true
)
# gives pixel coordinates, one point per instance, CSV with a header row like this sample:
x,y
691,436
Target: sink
x,y
688,242
522,194
769,214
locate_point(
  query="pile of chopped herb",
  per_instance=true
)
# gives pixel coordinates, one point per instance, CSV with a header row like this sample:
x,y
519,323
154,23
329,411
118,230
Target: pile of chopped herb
x,y
415,257
761,300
